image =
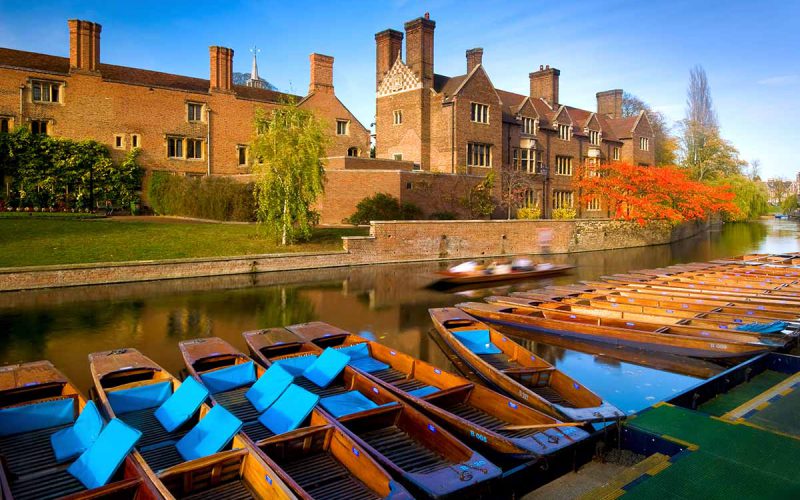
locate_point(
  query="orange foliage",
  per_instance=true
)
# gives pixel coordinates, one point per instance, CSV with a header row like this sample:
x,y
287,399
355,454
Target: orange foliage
x,y
654,193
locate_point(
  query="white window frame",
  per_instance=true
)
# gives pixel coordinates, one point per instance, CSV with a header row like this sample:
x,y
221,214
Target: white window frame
x,y
178,147
564,132
345,123
239,149
197,115
528,125
479,112
197,148
593,205
45,90
644,143
594,137
136,141
615,153
397,117
479,155
563,165
119,138
563,199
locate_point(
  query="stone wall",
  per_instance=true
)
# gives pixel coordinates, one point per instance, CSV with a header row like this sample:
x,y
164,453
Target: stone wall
x,y
397,241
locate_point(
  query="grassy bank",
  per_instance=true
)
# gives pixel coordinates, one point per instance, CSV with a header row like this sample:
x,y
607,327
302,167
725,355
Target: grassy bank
x,y
38,241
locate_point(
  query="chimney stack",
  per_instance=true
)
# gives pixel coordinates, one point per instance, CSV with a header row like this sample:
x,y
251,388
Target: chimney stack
x,y
419,48
221,69
544,84
321,74
84,45
388,44
609,103
474,58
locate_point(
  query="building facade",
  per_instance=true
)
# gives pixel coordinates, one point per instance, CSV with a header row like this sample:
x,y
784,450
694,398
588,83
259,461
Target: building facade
x,y
465,125
187,125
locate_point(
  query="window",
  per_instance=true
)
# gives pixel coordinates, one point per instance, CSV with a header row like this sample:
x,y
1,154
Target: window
x,y
398,117
352,151
136,141
119,142
593,205
194,149
5,124
479,155
342,127
564,132
594,137
563,165
398,156
562,199
39,127
524,159
45,91
409,185
615,154
479,113
241,155
174,147
527,125
532,198
644,143
195,112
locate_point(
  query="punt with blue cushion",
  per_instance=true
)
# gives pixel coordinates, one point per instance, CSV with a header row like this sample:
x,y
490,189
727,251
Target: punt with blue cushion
x,y
348,403
477,341
290,410
95,466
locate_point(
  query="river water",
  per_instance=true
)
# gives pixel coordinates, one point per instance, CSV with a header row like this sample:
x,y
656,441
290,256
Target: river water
x,y
389,301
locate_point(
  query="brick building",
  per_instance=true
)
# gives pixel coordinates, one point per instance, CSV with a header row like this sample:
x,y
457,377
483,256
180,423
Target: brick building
x,y
189,125
465,125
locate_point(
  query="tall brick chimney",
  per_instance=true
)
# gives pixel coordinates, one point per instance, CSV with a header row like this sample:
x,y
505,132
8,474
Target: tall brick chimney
x,y
474,58
321,74
84,45
419,48
544,84
388,44
609,103
221,68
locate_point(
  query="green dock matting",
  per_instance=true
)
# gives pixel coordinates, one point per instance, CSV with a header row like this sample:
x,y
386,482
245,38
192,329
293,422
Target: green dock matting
x,y
732,461
781,415
742,393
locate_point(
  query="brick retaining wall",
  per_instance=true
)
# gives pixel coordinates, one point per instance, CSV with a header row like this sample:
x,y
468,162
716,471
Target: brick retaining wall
x,y
391,241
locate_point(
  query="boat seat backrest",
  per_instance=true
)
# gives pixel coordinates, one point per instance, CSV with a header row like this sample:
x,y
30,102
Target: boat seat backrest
x,y
214,431
70,442
222,467
326,367
38,415
230,377
296,365
95,467
140,397
361,358
269,387
290,410
349,403
179,408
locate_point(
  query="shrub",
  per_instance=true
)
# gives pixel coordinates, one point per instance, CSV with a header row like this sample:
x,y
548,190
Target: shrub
x,y
529,213
564,213
216,198
443,216
383,206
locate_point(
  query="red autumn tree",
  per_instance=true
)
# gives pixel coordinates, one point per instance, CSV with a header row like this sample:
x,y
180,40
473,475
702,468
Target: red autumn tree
x,y
653,193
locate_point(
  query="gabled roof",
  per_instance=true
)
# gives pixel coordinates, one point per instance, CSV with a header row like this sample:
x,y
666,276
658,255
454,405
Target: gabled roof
x,y
454,85
19,59
561,113
623,127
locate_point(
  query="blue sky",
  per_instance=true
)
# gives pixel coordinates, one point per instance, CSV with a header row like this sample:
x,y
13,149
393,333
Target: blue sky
x,y
750,50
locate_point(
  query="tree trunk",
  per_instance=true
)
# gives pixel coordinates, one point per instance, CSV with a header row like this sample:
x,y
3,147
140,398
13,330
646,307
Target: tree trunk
x,y
285,218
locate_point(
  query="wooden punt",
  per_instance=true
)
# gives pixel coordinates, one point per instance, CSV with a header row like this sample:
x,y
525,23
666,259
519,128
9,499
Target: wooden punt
x,y
517,372
454,279
700,291
415,449
237,472
663,339
317,460
773,292
647,322
476,414
28,467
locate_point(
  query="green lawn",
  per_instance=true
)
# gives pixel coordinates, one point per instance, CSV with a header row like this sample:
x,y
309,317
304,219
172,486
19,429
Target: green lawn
x,y
38,241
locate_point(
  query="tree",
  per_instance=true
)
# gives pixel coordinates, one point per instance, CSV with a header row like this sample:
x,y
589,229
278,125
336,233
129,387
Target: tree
x,y
754,170
666,144
288,147
383,206
514,186
750,198
479,200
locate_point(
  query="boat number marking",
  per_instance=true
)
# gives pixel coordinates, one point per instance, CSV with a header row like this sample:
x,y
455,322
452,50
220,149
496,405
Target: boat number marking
x,y
437,371
737,320
630,324
375,390
504,339
761,308
705,334
724,327
571,316
749,313
685,306
718,346
393,353
356,452
269,479
431,428
513,405
479,437
523,395
576,386
533,358
670,311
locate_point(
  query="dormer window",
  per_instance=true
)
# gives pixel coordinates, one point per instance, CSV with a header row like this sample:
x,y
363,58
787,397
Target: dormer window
x,y
479,113
564,132
528,125
594,137
615,154
644,143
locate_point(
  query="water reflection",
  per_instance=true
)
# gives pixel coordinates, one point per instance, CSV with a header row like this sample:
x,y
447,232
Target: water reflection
x,y
390,301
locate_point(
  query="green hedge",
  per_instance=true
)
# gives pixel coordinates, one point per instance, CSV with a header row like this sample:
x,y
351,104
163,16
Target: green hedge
x,y
383,206
216,198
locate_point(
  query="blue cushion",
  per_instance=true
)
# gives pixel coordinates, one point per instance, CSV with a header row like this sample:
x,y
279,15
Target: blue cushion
x,y
772,327
423,391
70,442
290,410
36,416
326,367
360,358
183,403
95,467
347,403
229,378
296,365
269,387
210,435
477,341
139,398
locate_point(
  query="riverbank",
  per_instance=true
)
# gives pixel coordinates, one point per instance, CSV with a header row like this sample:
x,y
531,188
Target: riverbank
x,y
388,242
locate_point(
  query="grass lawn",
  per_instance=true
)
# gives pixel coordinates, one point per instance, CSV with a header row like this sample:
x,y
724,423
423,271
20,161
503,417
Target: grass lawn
x,y
38,241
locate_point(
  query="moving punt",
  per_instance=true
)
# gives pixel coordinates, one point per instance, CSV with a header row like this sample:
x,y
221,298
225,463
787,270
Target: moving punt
x,y
188,449
518,372
661,339
775,334
425,457
54,444
311,454
476,414
450,278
